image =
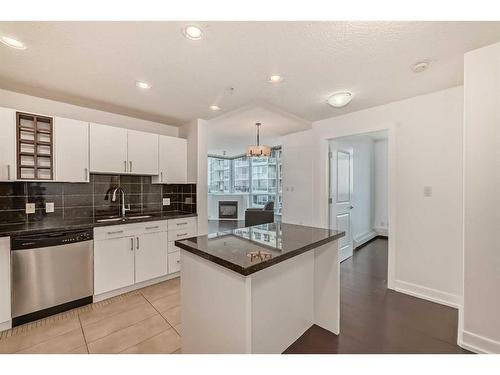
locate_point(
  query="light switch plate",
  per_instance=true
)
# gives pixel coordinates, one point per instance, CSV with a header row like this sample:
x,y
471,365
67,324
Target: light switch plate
x,y
30,208
427,191
166,201
49,207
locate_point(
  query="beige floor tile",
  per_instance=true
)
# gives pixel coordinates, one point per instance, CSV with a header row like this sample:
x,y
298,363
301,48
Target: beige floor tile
x,y
130,336
163,289
113,323
173,315
166,342
32,336
59,344
80,350
178,329
102,310
167,302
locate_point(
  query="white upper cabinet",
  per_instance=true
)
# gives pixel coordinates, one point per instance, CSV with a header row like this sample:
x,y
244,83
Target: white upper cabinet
x,y
142,153
7,144
172,160
71,150
108,149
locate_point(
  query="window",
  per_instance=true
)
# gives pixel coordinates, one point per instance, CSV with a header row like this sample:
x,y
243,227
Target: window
x,y
259,177
219,175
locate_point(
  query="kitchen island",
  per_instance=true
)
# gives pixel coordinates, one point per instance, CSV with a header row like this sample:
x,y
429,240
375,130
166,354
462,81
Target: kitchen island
x,y
258,289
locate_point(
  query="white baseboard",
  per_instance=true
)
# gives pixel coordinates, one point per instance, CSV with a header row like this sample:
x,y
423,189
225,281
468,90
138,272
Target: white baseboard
x,y
429,294
117,292
381,231
5,325
363,238
478,344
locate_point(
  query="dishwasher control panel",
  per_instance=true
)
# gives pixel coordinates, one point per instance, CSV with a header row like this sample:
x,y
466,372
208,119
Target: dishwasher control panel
x,y
48,239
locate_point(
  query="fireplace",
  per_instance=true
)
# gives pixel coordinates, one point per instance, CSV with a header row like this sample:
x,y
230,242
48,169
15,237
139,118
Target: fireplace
x,y
228,210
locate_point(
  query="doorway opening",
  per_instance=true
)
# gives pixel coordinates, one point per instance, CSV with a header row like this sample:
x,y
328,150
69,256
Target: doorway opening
x,y
358,189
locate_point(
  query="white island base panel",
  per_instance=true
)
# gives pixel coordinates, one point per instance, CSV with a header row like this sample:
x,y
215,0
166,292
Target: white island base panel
x,y
265,312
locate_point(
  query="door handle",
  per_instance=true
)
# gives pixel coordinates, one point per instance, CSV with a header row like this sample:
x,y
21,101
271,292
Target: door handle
x,y
131,244
137,244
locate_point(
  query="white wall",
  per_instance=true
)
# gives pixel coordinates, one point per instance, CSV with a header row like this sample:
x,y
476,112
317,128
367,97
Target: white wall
x,y
48,107
425,149
297,178
481,310
380,184
362,195
197,167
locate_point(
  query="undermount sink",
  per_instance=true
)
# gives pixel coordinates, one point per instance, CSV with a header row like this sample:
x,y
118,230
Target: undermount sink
x,y
110,220
139,217
115,219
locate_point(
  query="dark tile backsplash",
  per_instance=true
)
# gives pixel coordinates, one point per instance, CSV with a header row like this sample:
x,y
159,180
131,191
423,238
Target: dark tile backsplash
x,y
73,201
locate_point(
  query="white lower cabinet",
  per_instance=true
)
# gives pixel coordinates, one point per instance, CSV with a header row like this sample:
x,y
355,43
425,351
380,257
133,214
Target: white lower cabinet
x,y
129,254
4,282
174,262
113,264
150,261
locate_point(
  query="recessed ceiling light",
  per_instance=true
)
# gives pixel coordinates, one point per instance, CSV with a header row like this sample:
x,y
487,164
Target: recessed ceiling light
x,y
13,43
143,85
192,32
420,66
340,99
275,79
214,108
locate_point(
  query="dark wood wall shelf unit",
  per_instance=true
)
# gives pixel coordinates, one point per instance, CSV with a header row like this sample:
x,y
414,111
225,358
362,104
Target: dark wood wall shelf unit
x,y
35,147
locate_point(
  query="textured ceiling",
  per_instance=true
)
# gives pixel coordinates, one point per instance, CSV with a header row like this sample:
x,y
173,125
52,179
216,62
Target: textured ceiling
x,y
233,132
95,64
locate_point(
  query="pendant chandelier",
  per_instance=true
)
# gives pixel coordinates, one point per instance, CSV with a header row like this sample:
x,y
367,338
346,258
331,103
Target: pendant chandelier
x,y
258,150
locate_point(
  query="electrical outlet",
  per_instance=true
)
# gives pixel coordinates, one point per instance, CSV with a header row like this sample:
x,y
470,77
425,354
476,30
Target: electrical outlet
x,y
166,201
427,191
30,208
49,207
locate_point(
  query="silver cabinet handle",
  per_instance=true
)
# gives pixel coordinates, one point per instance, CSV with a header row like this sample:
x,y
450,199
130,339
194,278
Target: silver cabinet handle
x,y
155,227
125,165
116,232
137,244
182,224
87,177
130,166
161,174
8,172
181,234
131,244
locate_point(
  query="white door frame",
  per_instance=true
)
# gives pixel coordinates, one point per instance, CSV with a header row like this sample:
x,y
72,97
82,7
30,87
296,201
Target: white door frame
x,y
391,193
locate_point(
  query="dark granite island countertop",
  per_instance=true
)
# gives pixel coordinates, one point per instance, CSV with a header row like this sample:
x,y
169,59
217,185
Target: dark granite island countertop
x,y
251,249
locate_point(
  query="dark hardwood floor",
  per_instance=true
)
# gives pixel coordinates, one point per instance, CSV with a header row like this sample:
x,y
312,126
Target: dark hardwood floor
x,y
374,319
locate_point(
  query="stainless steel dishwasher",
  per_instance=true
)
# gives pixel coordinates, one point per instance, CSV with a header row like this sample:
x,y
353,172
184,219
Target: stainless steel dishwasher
x,y
51,272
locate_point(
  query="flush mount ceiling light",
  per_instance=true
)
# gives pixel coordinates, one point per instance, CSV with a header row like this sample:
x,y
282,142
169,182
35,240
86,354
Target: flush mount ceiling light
x,y
214,108
275,79
340,99
12,43
143,85
192,32
258,150
420,66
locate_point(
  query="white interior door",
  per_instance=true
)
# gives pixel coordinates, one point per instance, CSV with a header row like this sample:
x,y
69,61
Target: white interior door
x,y
341,184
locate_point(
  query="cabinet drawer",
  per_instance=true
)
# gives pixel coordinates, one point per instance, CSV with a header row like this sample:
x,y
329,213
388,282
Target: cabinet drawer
x,y
174,262
174,235
175,224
